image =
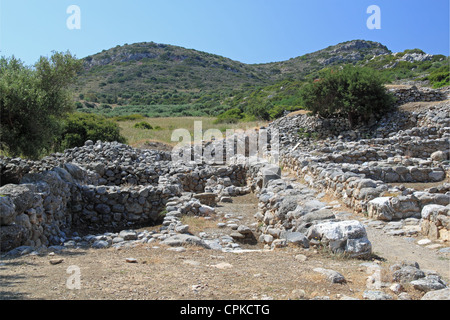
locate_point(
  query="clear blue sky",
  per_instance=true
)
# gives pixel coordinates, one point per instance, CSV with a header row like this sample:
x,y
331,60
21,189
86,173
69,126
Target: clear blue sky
x,y
250,31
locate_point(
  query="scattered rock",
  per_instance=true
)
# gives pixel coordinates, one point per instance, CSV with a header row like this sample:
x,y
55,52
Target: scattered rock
x,y
376,295
404,296
424,242
428,283
299,294
443,294
301,257
407,274
128,235
332,276
397,288
297,238
100,244
223,265
56,261
177,249
347,237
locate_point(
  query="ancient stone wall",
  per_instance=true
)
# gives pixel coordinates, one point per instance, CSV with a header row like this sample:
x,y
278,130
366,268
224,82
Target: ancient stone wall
x,y
111,186
414,94
362,172
45,206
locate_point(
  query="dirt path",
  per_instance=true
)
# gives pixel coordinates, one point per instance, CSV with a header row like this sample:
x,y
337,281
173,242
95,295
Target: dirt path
x,y
397,249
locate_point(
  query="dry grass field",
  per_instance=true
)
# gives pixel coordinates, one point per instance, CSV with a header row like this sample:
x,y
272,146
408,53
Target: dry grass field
x,y
138,137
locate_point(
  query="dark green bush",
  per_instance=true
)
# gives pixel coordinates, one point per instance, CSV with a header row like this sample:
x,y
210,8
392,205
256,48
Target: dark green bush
x,y
80,127
259,109
143,125
278,111
128,117
230,116
89,105
353,92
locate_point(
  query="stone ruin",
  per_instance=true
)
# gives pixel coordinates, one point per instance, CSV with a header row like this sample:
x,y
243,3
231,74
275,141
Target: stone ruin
x,y
414,94
101,186
369,168
113,187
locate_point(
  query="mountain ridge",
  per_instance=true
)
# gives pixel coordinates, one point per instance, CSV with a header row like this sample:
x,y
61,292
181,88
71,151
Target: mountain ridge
x,y
148,73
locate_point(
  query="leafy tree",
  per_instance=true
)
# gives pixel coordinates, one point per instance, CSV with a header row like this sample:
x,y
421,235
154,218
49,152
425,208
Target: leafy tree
x,y
80,127
353,92
33,100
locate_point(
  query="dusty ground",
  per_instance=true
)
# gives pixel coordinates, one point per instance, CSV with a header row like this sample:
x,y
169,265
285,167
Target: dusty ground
x,y
417,106
199,274
395,249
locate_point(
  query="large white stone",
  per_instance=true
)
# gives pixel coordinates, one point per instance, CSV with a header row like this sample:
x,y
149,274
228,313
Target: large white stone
x,y
431,209
206,210
380,208
349,237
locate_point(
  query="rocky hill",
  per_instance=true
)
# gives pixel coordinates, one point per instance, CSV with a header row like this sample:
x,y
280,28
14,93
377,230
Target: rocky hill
x,y
346,52
150,73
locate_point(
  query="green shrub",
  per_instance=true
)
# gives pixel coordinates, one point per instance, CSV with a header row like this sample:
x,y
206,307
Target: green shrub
x,y
419,51
80,127
105,106
259,109
440,77
89,105
353,92
278,111
143,125
230,116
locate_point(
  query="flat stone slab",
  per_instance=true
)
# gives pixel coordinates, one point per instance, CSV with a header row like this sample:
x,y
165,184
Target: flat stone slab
x,y
184,239
206,198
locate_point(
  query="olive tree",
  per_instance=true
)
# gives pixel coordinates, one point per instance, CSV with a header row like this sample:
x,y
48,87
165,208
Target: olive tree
x,y
33,100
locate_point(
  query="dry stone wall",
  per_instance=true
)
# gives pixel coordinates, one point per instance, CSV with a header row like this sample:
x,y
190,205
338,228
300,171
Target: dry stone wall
x,y
44,207
367,174
103,186
415,94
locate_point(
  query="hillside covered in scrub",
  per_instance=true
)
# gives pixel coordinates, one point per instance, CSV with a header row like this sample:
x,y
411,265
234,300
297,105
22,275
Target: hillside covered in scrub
x,y
177,81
